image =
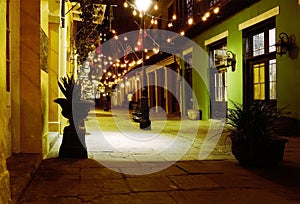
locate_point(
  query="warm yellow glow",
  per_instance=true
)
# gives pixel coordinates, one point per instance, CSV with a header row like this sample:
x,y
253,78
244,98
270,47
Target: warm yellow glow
x,y
134,12
125,38
156,7
146,50
125,4
155,22
174,17
207,14
169,40
190,21
113,31
182,33
152,21
141,15
143,5
216,10
147,57
170,24
204,18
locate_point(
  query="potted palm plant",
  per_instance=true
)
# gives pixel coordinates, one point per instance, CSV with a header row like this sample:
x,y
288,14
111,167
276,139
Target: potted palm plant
x,y
75,110
253,134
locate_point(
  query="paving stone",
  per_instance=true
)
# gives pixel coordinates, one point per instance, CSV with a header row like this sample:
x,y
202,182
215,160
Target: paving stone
x,y
98,173
229,196
50,200
193,167
194,182
55,174
138,184
133,198
58,188
101,187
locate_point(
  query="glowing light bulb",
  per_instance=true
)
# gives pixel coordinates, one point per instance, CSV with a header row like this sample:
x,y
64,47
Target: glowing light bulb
x,y
182,33
190,21
134,12
156,7
125,4
216,10
174,17
207,14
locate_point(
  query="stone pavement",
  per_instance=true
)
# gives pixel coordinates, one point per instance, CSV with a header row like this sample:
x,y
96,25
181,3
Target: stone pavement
x,y
124,172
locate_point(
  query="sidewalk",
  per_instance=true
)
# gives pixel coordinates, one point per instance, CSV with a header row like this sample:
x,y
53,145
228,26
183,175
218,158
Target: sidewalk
x,y
218,179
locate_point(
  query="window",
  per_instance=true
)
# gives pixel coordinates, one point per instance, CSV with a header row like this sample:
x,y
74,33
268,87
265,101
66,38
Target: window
x,y
189,79
260,68
219,79
189,8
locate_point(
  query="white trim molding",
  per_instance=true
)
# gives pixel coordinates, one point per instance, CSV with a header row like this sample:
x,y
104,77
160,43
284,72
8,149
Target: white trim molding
x,y
268,14
216,38
187,51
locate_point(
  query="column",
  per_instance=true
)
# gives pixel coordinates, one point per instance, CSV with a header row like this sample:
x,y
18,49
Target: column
x,y
4,175
30,78
156,90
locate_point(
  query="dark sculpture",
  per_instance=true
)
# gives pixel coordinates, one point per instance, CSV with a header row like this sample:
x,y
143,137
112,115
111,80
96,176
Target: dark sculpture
x,y
75,110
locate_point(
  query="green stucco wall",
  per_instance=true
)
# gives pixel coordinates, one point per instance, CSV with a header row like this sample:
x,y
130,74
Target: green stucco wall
x,y
288,66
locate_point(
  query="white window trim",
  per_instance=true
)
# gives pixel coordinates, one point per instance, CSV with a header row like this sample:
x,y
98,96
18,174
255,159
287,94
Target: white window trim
x,y
264,16
187,51
216,38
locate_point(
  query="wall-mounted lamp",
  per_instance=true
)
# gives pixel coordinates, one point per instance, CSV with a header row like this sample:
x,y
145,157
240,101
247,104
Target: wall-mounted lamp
x,y
283,44
230,61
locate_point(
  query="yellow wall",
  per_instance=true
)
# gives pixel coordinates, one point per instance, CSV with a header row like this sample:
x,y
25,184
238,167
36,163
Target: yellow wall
x,y
30,78
44,81
4,175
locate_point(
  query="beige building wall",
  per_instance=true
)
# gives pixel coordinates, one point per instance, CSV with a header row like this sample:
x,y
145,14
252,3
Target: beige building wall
x,y
15,75
53,65
31,113
4,174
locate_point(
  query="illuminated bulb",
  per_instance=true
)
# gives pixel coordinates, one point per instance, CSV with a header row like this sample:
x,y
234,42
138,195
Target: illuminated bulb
x,y
125,38
125,4
169,40
216,10
207,14
146,50
152,21
147,57
141,15
156,7
116,37
190,21
155,22
182,33
113,31
134,12
139,43
204,18
174,17
109,73
104,70
170,24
